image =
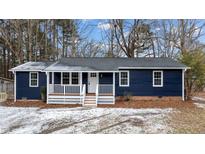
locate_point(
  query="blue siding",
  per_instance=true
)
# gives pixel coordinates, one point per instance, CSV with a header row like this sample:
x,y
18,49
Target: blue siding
x,y
57,78
141,84
23,89
105,78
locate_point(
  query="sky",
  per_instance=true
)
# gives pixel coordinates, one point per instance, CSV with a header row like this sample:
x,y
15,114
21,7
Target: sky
x,y
97,26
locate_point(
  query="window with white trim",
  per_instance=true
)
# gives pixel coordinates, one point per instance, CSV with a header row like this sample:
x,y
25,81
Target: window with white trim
x,y
33,79
75,78
124,78
157,78
66,78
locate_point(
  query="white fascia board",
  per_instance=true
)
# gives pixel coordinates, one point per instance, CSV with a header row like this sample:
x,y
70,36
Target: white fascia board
x,y
74,71
153,68
17,70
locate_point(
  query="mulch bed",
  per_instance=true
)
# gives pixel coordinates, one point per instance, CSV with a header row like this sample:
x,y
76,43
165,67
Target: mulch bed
x,y
118,104
40,104
150,104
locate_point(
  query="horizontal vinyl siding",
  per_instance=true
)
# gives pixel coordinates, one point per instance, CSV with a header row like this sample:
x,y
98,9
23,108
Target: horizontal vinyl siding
x,y
105,78
23,89
141,84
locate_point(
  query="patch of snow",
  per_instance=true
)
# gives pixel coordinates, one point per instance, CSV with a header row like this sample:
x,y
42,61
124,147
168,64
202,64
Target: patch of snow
x,y
200,105
82,120
198,99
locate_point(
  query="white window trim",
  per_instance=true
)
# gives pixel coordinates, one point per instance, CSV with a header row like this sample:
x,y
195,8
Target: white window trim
x,y
162,79
30,79
70,79
128,79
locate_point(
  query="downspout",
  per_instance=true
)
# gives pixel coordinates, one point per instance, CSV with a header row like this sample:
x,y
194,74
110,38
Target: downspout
x,y
183,83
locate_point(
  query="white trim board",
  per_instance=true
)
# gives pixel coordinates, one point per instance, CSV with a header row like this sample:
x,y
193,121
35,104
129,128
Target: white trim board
x,y
80,71
153,68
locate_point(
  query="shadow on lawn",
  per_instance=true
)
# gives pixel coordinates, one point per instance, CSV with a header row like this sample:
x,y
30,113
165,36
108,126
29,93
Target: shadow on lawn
x,y
58,125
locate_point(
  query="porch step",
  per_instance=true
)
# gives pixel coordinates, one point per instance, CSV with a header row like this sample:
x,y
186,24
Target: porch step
x,y
90,101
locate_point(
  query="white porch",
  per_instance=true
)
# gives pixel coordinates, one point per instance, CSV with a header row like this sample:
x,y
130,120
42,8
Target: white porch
x,y
91,93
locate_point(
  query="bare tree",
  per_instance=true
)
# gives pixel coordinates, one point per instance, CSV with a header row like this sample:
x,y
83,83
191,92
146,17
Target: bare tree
x,y
178,36
133,36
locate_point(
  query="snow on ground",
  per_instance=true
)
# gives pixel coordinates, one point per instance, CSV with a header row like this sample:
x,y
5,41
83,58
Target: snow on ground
x,y
83,120
199,102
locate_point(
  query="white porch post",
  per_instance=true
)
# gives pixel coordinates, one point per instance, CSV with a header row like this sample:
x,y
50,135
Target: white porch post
x,y
14,86
113,84
47,76
81,81
52,82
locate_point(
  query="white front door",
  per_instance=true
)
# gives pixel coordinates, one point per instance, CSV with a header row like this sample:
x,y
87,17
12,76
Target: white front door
x,y
92,82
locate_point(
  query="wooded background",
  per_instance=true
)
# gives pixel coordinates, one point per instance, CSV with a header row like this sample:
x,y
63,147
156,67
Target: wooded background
x,y
51,39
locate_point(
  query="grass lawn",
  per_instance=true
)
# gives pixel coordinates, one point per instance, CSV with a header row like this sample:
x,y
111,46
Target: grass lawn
x,y
188,120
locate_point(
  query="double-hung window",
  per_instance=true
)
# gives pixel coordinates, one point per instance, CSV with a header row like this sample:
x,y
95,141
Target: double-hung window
x,y
157,78
124,78
70,78
33,79
66,78
75,78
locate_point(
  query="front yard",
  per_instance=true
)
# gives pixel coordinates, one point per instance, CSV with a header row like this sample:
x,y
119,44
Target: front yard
x,y
186,119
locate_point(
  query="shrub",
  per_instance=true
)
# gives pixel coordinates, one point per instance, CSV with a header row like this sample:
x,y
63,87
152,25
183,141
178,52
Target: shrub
x,y
127,96
43,93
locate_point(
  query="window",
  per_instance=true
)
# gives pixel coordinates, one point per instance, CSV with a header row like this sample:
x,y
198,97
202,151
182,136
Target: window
x,y
66,78
93,75
75,78
33,82
157,78
124,78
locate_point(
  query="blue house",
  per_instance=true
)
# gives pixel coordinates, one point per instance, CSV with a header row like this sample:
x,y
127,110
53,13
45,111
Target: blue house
x,y
92,81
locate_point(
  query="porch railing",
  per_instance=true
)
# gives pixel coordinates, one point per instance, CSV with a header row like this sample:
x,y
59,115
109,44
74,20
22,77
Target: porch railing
x,y
105,94
64,89
105,89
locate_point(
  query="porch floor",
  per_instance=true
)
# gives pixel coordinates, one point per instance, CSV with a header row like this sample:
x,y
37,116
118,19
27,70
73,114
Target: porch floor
x,y
62,94
77,94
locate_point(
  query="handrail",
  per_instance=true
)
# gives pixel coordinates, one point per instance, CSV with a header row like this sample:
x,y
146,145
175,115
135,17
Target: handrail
x,y
97,90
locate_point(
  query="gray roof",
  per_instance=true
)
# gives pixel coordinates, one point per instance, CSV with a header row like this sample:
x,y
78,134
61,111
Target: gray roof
x,y
112,64
100,64
32,66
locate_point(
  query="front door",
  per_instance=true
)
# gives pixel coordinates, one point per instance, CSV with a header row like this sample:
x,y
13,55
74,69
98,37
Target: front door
x,y
92,82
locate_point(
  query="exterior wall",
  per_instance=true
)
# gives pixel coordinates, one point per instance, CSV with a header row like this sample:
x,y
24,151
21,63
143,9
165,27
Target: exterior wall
x,y
141,84
57,78
151,98
105,78
22,86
